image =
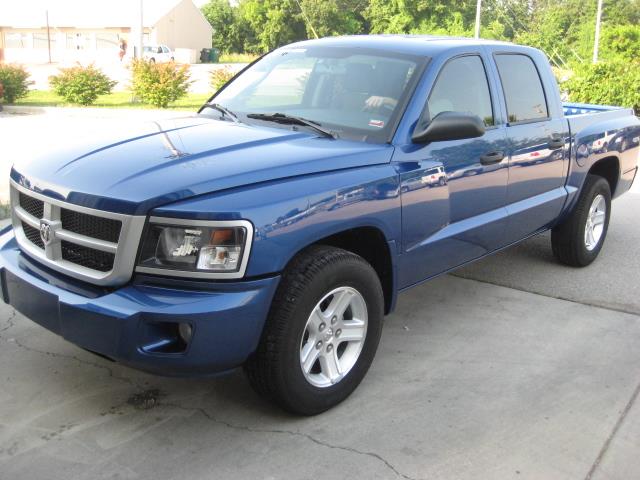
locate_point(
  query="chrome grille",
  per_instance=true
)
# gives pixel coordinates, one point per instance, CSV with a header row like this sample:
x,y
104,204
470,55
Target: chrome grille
x,y
92,245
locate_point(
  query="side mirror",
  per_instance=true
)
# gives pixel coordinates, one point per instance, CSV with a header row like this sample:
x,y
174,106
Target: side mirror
x,y
450,126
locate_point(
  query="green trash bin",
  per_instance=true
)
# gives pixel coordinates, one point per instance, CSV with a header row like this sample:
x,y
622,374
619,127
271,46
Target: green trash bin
x,y
214,55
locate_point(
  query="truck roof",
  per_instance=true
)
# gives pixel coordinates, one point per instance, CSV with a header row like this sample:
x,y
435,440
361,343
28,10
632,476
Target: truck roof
x,y
401,43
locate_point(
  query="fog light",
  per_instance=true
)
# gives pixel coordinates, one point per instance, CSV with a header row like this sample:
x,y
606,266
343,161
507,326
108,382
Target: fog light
x,y
185,331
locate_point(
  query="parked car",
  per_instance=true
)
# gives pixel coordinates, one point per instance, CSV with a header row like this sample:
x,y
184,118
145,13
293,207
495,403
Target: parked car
x,y
158,53
275,229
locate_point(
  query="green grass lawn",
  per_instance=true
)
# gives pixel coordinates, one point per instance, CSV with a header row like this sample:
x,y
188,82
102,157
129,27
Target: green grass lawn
x,y
46,98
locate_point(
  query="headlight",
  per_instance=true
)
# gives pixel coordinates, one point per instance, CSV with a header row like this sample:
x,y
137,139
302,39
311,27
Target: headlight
x,y
196,249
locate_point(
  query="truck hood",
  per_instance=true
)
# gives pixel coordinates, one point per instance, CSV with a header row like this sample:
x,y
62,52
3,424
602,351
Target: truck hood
x,y
134,169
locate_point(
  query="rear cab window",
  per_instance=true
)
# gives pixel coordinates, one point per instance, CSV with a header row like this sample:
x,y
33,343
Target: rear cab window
x,y
523,91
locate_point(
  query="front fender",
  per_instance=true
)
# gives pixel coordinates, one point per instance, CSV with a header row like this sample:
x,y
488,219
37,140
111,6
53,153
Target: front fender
x,y
290,214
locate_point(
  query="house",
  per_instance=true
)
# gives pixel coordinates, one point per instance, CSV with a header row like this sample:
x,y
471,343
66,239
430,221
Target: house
x,y
92,31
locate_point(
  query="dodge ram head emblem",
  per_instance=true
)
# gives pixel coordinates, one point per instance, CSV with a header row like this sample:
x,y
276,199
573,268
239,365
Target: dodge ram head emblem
x,y
46,232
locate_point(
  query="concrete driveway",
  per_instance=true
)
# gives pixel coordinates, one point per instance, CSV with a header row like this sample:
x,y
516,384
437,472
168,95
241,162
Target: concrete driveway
x,y
513,368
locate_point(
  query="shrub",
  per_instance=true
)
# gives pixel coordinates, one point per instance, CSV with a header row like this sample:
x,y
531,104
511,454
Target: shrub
x,y
610,83
81,85
14,80
621,42
159,83
237,58
220,76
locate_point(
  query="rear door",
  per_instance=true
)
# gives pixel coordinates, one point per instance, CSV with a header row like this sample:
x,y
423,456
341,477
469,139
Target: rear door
x,y
453,192
535,193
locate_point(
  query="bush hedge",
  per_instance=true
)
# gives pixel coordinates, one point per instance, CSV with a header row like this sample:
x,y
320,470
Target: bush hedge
x,y
15,81
81,85
614,82
219,77
159,83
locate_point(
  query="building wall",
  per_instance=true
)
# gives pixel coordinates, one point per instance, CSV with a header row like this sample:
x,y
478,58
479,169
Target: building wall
x,y
68,45
183,27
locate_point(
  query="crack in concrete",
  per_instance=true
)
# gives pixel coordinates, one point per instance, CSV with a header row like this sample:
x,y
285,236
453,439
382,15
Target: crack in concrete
x,y
10,322
556,297
614,432
19,344
306,436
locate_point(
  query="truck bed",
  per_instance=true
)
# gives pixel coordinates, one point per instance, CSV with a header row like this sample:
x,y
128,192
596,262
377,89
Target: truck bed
x,y
571,109
583,115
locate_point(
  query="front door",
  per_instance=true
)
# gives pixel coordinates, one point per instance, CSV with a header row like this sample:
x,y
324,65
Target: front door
x,y
453,192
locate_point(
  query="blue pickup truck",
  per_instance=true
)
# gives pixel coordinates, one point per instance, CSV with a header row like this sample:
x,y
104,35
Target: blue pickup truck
x,y
274,229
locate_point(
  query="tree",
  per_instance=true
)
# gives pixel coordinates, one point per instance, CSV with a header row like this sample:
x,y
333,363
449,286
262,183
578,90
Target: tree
x,y
333,17
274,23
227,28
621,42
421,16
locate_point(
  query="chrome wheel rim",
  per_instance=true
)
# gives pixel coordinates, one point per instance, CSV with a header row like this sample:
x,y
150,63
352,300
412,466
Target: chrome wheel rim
x,y
333,337
595,222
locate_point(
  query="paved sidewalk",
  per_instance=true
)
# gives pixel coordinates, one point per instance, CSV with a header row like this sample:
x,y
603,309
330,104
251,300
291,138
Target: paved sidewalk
x,y
471,381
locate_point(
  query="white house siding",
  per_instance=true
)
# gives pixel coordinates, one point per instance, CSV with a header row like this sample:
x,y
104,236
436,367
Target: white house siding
x,y
68,45
183,27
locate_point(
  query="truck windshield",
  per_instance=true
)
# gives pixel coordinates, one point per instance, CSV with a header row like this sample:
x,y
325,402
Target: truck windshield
x,y
355,93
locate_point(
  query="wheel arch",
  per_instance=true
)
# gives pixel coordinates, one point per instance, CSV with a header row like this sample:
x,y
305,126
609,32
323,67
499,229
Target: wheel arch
x,y
609,169
370,243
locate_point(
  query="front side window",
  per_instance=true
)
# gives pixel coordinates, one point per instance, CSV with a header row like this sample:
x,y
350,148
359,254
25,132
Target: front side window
x,y
522,87
462,87
356,93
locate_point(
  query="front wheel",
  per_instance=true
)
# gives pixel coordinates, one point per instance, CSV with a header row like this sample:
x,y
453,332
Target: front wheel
x,y
322,332
579,239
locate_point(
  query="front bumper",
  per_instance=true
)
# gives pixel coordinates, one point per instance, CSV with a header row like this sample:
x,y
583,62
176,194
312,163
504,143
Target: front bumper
x,y
226,318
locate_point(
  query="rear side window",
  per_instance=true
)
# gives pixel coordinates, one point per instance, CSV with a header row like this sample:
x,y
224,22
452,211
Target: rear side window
x,y
522,88
462,87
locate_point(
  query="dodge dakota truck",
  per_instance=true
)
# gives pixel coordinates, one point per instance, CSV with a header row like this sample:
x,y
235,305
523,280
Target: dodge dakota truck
x,y
274,229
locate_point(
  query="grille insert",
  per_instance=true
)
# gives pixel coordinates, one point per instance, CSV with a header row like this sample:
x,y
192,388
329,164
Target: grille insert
x,y
85,243
32,206
33,235
87,257
96,227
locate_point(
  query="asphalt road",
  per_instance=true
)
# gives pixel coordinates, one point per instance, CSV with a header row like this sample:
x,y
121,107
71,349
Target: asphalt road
x,y
522,370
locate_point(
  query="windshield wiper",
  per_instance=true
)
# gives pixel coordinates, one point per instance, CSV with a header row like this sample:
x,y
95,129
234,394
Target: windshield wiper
x,y
224,110
285,119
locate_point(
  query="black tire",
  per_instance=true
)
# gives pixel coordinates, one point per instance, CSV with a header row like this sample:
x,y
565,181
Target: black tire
x,y
274,371
152,60
568,238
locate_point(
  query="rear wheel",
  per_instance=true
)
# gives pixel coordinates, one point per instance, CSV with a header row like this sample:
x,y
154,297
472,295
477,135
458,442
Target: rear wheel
x,y
579,239
322,332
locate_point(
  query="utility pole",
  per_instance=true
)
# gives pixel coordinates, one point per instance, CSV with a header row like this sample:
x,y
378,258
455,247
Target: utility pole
x,y
478,9
597,39
48,35
306,19
140,39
